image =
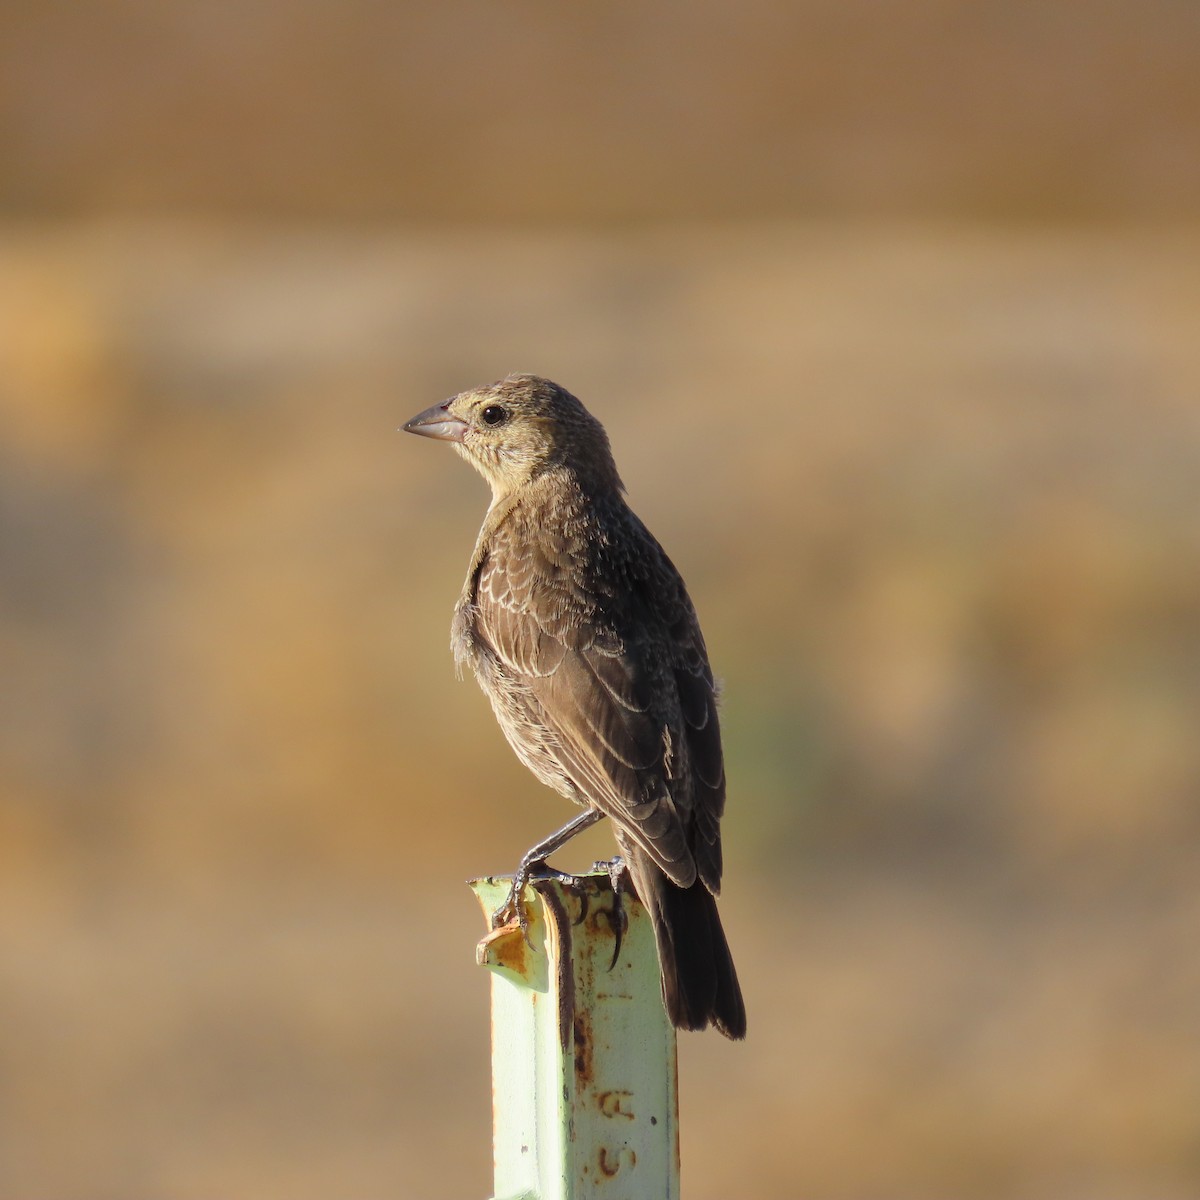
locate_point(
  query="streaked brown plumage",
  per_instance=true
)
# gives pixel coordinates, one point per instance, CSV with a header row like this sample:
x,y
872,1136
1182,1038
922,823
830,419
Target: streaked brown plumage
x,y
581,633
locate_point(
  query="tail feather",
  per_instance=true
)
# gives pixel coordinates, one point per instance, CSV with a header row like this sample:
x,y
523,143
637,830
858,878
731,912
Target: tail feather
x,y
699,983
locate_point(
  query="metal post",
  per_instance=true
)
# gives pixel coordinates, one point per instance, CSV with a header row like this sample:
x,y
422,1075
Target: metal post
x,y
583,1058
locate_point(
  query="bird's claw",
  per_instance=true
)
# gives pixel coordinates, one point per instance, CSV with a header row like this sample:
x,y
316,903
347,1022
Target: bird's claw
x,y
513,908
618,919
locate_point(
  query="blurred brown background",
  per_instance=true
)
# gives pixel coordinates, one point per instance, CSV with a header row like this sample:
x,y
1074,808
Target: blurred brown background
x,y
892,311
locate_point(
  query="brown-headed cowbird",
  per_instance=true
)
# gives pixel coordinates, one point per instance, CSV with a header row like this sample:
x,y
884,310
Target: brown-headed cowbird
x,y
581,633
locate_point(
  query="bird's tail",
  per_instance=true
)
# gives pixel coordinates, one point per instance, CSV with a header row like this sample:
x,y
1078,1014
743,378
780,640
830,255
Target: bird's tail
x,y
699,983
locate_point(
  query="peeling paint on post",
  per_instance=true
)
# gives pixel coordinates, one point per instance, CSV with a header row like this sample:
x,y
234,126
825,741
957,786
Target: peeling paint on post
x,y
583,1058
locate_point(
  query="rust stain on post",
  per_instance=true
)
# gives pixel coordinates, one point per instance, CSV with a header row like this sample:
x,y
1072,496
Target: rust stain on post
x,y
504,949
583,1051
612,1162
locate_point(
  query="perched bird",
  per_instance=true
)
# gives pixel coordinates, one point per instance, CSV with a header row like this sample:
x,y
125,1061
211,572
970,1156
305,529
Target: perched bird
x,y
581,633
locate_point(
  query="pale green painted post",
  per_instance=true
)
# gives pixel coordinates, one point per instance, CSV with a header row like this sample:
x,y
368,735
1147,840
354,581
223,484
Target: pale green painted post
x,y
583,1058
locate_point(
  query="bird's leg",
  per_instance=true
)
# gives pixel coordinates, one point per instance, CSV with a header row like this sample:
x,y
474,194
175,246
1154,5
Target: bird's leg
x,y
618,919
535,857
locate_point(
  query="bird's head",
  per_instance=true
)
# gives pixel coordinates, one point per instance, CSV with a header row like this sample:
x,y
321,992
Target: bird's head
x,y
517,429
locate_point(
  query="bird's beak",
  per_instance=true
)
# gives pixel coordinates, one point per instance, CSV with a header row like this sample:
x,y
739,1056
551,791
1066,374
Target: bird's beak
x,y
436,422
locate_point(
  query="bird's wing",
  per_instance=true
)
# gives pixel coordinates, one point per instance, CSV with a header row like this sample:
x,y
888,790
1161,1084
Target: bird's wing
x,y
605,697
701,730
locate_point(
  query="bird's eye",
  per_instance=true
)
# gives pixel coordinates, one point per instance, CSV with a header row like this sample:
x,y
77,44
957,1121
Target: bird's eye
x,y
495,414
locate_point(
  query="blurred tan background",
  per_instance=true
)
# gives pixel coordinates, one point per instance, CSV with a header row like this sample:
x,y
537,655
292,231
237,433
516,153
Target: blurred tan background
x,y
892,312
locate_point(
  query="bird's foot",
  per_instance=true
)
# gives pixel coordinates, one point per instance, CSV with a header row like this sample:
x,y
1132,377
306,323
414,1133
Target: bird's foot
x,y
513,909
618,919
